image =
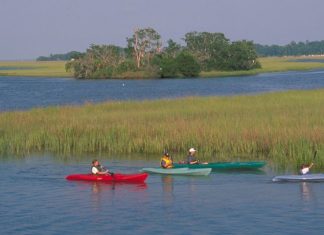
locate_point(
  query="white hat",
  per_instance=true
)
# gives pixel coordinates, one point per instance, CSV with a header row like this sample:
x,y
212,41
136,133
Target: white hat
x,y
192,150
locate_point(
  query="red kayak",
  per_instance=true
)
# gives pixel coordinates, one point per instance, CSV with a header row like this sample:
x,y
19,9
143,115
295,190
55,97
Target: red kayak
x,y
131,178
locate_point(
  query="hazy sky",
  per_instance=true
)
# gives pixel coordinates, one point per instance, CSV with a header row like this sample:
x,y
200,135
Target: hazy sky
x,y
31,28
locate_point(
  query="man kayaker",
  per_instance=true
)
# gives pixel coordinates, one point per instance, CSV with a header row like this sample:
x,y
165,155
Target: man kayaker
x,y
191,159
166,161
97,169
304,169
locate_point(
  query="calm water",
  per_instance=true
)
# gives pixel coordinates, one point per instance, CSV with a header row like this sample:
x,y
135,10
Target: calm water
x,y
25,92
36,199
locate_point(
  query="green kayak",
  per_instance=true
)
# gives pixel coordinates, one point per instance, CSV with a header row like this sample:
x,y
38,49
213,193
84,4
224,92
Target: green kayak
x,y
177,171
224,165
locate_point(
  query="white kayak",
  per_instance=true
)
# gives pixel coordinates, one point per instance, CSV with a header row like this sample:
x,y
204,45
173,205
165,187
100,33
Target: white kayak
x,y
178,171
297,178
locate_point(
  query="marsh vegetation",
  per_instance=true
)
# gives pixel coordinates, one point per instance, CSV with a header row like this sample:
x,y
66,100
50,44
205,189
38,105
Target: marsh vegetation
x,y
285,127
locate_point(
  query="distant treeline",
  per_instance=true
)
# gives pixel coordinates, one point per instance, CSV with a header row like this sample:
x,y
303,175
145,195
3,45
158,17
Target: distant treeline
x,y
54,57
291,49
144,56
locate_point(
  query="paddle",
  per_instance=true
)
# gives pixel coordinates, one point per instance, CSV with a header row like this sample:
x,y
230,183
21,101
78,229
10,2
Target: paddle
x,y
108,172
314,155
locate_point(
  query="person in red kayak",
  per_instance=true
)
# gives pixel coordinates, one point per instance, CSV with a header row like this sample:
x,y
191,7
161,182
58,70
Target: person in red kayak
x,y
97,169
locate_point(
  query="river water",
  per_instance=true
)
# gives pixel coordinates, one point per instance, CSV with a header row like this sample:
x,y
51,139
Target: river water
x,y
36,199
17,93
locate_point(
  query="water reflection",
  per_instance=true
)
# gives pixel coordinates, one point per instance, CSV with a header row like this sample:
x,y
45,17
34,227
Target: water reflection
x,y
167,185
107,190
306,192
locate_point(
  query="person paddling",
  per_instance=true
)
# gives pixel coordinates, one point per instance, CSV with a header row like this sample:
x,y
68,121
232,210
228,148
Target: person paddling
x,y
97,169
191,158
166,161
304,169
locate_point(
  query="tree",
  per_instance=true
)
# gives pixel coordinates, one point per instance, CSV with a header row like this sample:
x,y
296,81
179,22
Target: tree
x,y
173,49
166,65
144,44
187,65
68,56
242,56
99,61
210,49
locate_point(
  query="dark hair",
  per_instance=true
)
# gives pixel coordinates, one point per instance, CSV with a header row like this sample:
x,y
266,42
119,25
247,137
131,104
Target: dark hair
x,y
95,160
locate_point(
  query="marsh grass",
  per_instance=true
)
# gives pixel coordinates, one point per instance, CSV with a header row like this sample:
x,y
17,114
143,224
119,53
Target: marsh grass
x,y
284,127
273,64
34,68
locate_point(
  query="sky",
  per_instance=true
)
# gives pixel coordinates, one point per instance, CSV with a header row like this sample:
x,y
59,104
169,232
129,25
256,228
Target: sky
x,y
32,28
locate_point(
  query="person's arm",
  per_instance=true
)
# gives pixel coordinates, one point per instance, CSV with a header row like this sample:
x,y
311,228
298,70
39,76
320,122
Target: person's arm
x,y
103,172
310,166
193,160
162,163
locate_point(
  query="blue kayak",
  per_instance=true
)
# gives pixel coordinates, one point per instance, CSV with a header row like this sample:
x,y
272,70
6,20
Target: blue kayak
x,y
299,178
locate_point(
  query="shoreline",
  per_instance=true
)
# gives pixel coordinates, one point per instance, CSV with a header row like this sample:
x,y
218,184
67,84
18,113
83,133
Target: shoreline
x,y
52,69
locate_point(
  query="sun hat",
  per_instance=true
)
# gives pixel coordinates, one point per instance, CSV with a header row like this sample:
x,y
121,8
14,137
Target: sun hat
x,y
192,150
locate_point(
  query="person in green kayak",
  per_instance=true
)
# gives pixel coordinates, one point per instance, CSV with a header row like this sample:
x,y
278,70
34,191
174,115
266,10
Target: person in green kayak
x,y
304,169
166,161
191,159
97,169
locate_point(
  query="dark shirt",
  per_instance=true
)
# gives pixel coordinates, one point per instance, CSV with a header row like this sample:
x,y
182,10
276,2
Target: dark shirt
x,y
190,159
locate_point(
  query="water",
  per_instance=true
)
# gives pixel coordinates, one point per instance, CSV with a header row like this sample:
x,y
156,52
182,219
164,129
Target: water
x,y
18,93
36,199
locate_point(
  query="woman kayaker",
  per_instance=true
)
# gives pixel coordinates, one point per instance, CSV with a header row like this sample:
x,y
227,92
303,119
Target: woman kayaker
x,y
304,169
191,159
166,161
97,169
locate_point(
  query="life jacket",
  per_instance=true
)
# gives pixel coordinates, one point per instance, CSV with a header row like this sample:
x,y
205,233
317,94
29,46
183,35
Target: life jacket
x,y
166,162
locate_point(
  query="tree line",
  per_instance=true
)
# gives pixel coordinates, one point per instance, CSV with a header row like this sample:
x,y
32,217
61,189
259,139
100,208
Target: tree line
x,y
67,56
291,49
144,56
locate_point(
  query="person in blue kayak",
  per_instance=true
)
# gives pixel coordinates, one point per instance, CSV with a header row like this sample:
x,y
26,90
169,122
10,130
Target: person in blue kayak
x,y
304,169
97,169
166,161
191,158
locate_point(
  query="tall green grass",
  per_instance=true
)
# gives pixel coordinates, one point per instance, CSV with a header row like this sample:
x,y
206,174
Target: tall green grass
x,y
284,127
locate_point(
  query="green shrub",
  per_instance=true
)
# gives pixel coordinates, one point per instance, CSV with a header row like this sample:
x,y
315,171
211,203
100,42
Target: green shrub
x,y
187,65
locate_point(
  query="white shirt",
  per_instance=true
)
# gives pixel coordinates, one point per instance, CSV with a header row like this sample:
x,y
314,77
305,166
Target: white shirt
x,y
94,170
304,171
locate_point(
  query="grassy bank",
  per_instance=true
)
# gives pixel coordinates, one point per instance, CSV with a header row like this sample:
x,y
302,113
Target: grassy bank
x,y
273,64
284,127
57,68
34,68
